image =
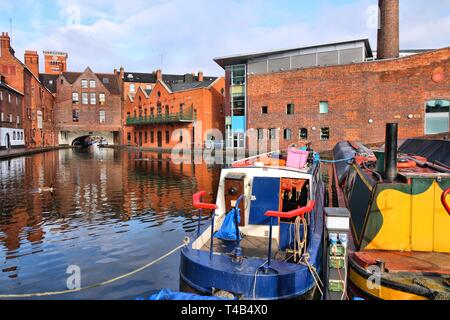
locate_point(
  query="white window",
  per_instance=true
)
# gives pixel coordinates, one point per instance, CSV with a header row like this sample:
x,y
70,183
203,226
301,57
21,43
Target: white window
x,y
102,98
1,95
92,84
102,116
2,117
18,119
75,97
437,116
323,107
84,84
93,98
10,118
84,97
39,119
132,88
9,97
17,101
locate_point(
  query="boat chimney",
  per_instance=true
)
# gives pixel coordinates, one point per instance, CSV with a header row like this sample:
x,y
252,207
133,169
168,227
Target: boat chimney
x,y
390,159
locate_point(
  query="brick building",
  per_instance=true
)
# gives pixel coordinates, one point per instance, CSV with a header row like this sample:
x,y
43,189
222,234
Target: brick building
x,y
332,92
38,101
153,117
11,130
87,104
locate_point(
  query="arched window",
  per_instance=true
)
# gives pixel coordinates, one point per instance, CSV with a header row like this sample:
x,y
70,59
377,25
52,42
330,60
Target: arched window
x,y
437,116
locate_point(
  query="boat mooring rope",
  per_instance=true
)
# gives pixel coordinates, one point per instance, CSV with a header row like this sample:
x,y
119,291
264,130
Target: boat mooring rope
x,y
54,293
336,161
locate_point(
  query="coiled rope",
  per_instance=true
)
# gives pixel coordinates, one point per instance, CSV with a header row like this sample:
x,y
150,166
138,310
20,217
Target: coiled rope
x,y
54,293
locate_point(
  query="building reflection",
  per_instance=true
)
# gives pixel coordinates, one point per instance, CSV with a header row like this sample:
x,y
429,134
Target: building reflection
x,y
91,189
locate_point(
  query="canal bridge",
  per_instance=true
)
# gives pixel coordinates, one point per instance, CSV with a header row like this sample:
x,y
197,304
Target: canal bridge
x,y
69,137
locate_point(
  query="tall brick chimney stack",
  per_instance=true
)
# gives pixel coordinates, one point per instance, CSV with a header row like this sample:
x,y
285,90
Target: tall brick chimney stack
x,y
31,59
122,73
159,75
388,30
200,76
5,42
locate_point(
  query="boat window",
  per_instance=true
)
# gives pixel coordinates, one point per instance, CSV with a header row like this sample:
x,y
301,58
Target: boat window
x,y
437,116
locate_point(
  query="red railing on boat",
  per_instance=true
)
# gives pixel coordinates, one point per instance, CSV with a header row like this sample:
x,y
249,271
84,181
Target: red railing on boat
x,y
294,213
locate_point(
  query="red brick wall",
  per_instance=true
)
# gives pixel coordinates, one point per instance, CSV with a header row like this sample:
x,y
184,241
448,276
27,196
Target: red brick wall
x,y
89,114
385,91
207,102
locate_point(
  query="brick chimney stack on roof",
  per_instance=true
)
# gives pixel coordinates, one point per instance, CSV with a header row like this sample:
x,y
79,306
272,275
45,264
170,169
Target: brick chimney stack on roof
x,y
31,59
200,76
388,31
158,75
122,72
5,42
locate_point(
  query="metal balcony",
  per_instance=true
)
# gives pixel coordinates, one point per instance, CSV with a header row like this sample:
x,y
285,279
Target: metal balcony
x,y
162,118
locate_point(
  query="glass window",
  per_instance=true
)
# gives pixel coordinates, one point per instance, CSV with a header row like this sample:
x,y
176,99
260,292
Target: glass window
x,y
93,98
2,117
238,75
238,106
11,118
437,116
325,134
92,84
102,116
76,115
260,134
287,134
290,108
303,134
102,98
84,97
75,97
272,133
152,137
18,119
264,110
167,136
132,88
84,84
323,107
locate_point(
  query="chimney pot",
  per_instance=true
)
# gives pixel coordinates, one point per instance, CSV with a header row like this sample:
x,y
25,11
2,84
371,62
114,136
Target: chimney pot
x,y
158,75
200,76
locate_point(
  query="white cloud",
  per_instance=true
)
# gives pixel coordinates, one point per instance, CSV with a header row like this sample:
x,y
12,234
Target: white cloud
x,y
189,34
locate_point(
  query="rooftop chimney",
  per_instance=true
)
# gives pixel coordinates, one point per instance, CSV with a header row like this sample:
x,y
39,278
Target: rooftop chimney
x,y
122,72
388,30
200,76
158,75
5,42
31,59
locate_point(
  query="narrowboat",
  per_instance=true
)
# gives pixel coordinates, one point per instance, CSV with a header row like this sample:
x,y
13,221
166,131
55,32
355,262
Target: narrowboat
x,y
265,236
400,219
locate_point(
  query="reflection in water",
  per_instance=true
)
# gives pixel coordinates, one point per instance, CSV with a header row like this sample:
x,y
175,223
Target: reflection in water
x,y
109,212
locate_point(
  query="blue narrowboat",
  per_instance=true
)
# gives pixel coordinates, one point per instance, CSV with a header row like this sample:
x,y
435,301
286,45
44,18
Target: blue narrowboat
x,y
265,239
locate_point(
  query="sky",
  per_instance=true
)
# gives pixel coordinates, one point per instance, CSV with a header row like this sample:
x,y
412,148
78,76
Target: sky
x,y
184,36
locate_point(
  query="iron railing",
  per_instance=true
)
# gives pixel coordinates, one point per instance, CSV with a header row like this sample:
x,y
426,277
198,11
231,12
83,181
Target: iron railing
x,y
161,118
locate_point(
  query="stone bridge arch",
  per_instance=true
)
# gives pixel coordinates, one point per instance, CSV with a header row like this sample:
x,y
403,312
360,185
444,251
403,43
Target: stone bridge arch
x,y
67,138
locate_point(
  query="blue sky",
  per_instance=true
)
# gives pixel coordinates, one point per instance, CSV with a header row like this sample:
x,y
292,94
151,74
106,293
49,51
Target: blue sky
x,y
184,36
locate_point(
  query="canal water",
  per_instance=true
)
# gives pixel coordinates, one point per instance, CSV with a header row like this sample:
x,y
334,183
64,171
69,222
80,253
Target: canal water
x,y
110,212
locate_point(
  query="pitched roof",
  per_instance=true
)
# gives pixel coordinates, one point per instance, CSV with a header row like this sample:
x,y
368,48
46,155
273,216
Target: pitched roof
x,y
5,86
167,78
109,80
190,85
49,81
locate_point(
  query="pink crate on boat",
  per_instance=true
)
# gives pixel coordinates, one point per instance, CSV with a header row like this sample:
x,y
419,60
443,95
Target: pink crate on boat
x,y
297,158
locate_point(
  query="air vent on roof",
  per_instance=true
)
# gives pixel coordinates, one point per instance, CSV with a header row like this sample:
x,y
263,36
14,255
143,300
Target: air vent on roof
x,y
105,80
130,76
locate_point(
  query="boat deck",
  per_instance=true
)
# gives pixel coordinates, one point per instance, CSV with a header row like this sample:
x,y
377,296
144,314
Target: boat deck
x,y
251,246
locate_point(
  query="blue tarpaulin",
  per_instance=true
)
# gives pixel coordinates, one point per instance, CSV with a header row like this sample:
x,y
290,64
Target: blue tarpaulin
x,y
228,229
167,294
